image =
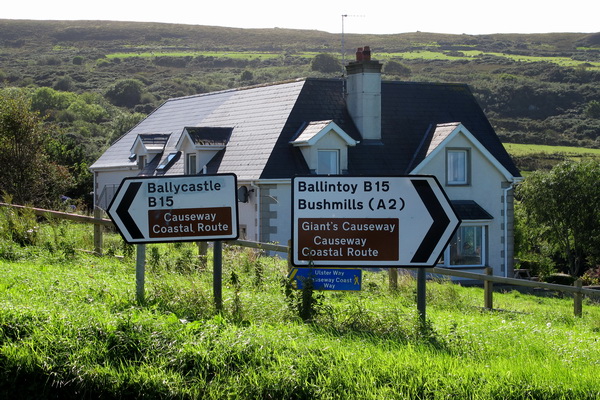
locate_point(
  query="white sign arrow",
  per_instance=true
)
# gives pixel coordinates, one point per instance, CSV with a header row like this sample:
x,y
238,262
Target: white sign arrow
x,y
370,221
176,208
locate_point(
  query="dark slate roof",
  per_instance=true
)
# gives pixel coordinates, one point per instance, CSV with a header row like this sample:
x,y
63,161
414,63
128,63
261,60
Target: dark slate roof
x,y
154,140
469,210
204,136
319,100
266,119
410,112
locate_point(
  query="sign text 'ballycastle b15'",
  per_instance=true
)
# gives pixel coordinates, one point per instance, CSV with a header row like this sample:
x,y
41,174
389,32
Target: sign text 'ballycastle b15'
x,y
176,208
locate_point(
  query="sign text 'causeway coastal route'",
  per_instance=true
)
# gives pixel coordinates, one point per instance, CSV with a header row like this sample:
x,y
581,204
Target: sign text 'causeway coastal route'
x,y
370,221
176,208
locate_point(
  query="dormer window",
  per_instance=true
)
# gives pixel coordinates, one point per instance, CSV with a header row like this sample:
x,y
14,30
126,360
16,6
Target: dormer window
x,y
191,164
146,147
324,146
328,162
200,145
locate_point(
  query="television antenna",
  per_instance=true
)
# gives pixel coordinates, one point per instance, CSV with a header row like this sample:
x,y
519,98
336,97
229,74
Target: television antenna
x,y
344,16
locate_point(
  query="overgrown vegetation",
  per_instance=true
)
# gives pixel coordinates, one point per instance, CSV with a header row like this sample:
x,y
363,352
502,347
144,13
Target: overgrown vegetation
x,y
92,82
70,328
559,217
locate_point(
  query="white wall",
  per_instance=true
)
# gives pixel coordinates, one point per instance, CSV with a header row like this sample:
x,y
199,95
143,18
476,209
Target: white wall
x,y
248,216
329,141
104,178
276,212
485,188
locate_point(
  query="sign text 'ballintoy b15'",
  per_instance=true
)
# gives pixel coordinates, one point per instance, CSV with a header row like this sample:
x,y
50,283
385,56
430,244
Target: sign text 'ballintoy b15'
x,y
370,221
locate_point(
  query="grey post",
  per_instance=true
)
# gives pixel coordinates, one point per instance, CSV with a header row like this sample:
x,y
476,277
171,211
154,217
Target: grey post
x,y
218,275
140,271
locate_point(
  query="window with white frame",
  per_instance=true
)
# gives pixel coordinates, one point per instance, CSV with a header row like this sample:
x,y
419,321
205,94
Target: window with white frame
x,y
142,161
328,162
191,164
457,168
467,247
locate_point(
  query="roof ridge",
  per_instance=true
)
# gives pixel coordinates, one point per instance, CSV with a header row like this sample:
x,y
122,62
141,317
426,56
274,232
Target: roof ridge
x,y
258,85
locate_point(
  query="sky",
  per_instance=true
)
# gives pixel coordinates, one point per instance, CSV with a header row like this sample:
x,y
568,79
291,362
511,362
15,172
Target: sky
x,y
362,16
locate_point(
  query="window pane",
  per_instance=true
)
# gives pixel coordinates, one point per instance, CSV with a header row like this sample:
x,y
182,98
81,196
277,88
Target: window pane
x,y
327,162
466,247
457,166
191,164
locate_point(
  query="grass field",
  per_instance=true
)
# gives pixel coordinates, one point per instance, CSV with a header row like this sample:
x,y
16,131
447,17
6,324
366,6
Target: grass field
x,y
70,328
528,149
409,55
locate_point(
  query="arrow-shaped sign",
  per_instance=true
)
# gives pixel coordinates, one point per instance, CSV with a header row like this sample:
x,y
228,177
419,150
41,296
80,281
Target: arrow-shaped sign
x,y
370,221
123,210
176,208
439,225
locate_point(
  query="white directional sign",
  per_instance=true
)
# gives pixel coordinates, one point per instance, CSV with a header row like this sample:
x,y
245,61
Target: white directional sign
x,y
176,208
370,221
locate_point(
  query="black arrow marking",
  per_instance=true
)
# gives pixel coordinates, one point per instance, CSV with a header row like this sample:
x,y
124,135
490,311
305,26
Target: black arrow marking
x,y
439,225
123,210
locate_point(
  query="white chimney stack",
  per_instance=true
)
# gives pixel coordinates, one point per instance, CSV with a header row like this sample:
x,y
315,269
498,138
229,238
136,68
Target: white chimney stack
x,y
364,93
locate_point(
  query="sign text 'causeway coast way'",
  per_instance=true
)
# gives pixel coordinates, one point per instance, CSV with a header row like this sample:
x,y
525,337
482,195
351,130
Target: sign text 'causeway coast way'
x,y
370,221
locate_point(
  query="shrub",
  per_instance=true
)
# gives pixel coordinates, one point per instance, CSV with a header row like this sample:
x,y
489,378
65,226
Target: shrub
x,y
395,68
125,93
591,276
325,63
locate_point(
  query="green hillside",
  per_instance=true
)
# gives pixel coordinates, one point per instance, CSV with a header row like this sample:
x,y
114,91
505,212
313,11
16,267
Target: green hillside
x,y
535,88
94,80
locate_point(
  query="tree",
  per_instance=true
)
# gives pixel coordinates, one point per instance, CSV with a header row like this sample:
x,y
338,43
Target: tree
x,y
26,173
565,205
326,63
592,110
125,93
395,68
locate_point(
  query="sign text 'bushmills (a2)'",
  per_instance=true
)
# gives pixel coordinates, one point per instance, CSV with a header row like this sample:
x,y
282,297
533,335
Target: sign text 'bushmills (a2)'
x,y
370,221
176,208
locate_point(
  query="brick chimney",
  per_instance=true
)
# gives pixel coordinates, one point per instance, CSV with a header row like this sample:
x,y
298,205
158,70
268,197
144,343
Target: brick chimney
x,y
363,85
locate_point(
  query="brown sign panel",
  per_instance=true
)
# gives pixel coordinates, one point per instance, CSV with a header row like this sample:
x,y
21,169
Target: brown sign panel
x,y
190,222
348,239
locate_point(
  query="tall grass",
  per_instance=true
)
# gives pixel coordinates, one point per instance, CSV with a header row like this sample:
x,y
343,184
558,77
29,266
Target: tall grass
x,y
70,328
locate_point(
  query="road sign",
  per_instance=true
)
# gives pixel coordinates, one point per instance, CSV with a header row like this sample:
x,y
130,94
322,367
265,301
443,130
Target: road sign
x,y
370,221
176,208
327,278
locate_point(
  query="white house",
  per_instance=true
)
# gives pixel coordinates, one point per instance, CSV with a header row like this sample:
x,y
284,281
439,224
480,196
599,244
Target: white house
x,y
354,126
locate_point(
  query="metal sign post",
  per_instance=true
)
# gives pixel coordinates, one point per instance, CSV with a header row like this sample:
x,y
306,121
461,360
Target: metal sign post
x,y
176,209
140,273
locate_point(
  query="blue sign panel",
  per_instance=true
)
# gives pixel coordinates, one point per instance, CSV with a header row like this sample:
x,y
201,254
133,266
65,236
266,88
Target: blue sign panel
x,y
327,278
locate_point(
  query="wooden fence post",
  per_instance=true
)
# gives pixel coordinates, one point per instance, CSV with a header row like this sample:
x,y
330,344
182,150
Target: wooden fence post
x,y
488,290
577,299
290,265
393,276
218,275
202,249
98,232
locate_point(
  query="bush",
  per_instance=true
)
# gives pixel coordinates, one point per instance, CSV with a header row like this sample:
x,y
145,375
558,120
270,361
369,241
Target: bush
x,y
125,93
591,276
325,63
395,68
